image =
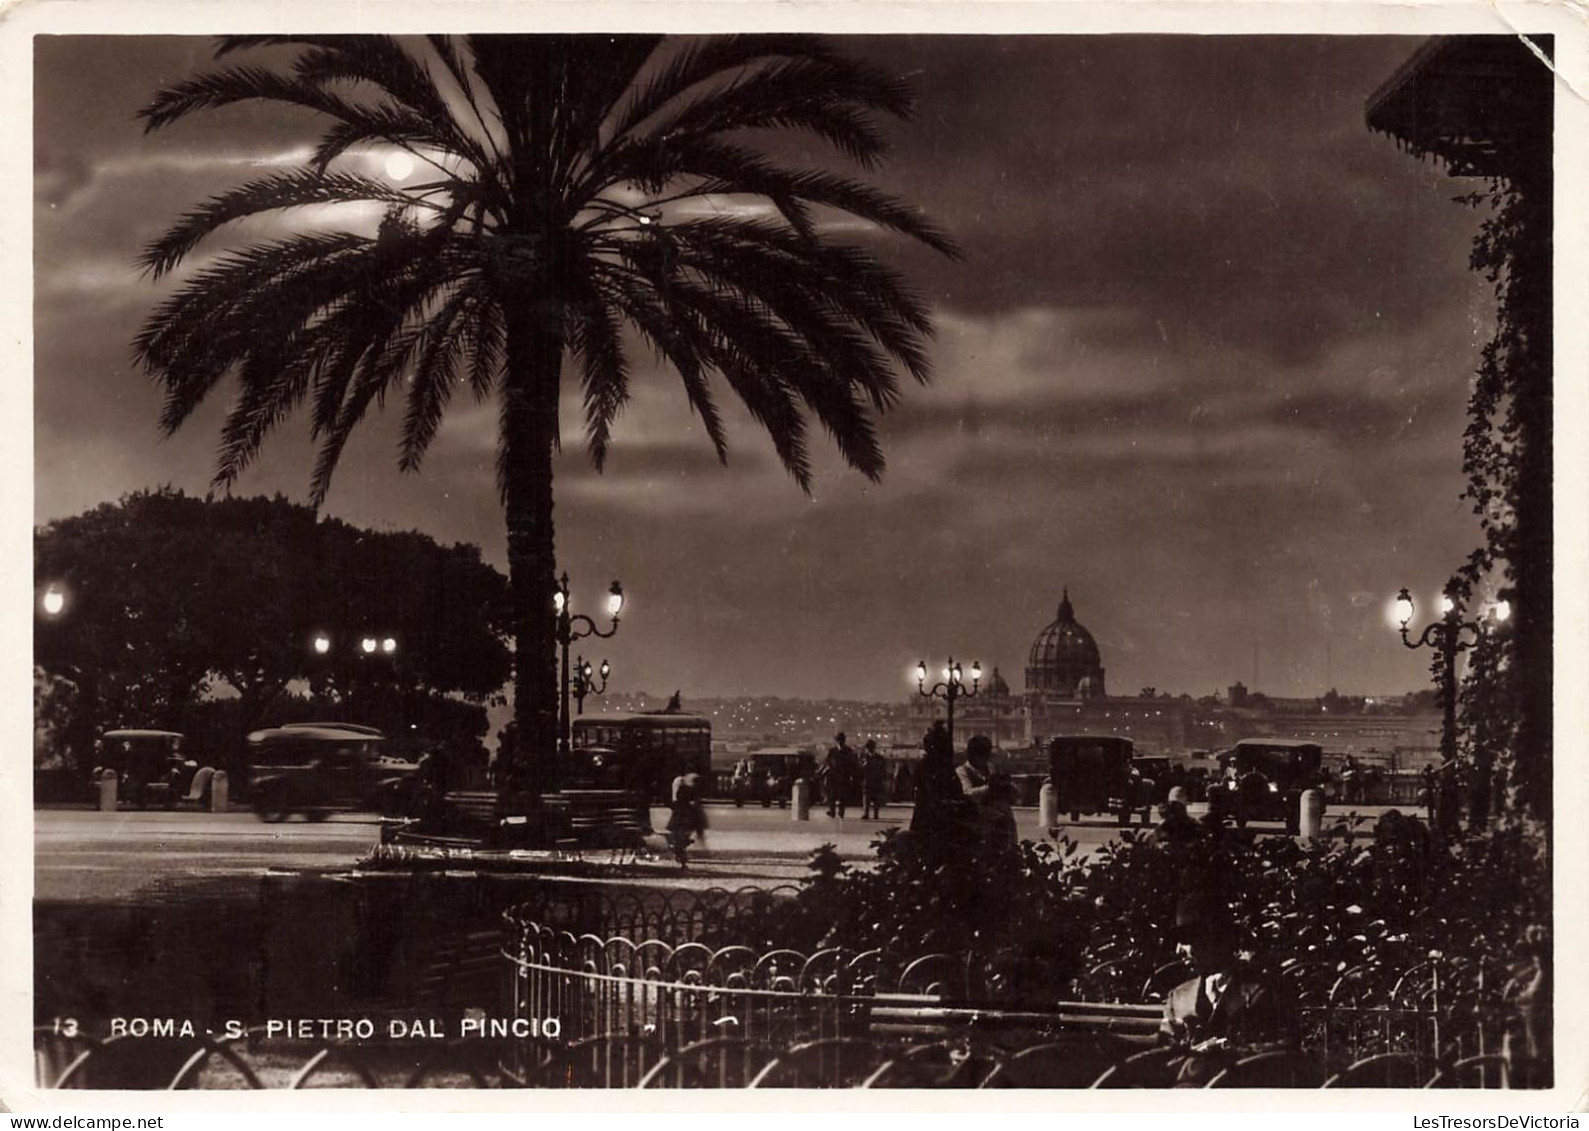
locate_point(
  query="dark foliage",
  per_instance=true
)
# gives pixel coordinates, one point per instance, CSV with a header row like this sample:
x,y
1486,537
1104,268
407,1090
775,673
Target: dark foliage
x,y
173,600
1055,924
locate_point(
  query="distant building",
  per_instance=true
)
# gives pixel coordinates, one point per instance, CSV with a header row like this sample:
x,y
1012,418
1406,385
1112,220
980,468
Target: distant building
x,y
1065,660
1065,694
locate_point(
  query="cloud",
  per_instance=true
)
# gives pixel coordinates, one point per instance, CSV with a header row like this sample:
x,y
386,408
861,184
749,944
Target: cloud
x,y
58,177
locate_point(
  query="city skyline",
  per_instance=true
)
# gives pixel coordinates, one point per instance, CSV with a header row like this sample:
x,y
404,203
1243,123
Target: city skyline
x,y
1204,365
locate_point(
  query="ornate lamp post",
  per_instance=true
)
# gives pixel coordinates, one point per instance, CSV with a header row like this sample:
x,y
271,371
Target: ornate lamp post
x,y
585,681
1445,637
577,626
951,688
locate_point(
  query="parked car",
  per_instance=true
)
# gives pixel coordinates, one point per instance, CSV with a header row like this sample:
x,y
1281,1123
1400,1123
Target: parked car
x,y
320,768
152,767
1263,780
774,772
1095,774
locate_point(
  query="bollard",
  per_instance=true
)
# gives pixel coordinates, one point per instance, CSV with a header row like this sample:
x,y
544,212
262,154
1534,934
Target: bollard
x,y
800,800
1311,822
1048,808
220,792
107,791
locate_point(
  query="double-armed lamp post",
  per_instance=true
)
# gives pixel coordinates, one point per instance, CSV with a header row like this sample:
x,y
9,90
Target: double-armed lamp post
x,y
586,681
1445,636
369,648
576,626
952,687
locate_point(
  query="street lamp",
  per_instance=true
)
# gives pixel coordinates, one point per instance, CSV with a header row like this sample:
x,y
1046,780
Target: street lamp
x,y
369,647
54,601
951,688
584,681
577,626
1445,637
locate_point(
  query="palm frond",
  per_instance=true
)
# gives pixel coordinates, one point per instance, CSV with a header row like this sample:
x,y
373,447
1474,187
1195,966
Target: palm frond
x,y
769,354
487,347
835,99
700,60
239,84
671,340
725,169
596,339
445,346
295,189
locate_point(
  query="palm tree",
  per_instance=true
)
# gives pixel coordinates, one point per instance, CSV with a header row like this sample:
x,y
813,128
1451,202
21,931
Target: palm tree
x,y
574,186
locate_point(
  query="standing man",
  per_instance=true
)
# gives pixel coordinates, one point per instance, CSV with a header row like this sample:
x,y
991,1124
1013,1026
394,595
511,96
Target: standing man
x,y
1350,781
874,780
838,773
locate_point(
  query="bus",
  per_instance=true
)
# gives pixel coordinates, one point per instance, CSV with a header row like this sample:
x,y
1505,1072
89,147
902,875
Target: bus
x,y
641,751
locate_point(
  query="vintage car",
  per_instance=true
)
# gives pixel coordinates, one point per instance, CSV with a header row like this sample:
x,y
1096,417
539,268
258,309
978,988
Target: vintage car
x,y
1095,774
774,771
1263,779
321,768
152,767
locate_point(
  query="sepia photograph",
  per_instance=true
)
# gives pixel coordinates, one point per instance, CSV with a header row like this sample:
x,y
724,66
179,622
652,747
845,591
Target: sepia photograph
x,y
796,558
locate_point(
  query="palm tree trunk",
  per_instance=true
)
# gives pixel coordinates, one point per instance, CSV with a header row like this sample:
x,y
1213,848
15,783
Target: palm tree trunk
x,y
528,437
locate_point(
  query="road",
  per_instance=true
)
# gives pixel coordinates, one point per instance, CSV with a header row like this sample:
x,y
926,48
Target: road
x,y
81,855
84,855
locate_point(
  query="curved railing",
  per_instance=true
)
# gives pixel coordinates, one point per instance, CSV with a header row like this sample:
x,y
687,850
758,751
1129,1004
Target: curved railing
x,y
646,989
624,1060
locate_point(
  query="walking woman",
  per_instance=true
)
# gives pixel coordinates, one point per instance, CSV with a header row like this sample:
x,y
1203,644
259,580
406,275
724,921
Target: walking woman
x,y
688,821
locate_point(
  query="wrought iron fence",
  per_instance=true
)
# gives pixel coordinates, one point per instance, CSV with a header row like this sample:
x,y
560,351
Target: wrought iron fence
x,y
639,1000
626,1060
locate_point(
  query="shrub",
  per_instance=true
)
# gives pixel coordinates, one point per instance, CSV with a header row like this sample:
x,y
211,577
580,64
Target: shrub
x,y
1053,923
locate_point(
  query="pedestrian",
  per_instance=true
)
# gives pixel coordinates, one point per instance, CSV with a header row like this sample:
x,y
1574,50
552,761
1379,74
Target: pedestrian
x,y
991,793
1428,792
839,772
939,801
740,783
688,819
874,780
431,776
900,791
1349,780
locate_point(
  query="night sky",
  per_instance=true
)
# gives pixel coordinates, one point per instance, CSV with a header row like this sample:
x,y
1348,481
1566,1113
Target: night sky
x,y
1205,363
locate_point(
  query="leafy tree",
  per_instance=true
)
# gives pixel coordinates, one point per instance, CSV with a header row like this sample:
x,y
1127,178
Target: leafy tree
x,y
172,599
574,186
